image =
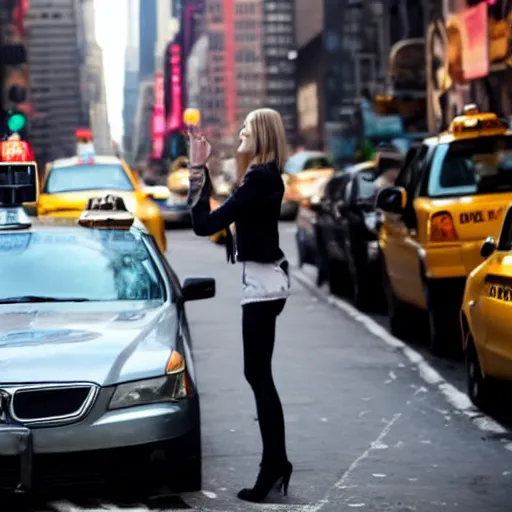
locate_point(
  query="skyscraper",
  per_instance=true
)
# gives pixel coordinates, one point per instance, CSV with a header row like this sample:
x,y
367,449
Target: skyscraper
x,y
55,76
96,84
131,77
251,63
148,27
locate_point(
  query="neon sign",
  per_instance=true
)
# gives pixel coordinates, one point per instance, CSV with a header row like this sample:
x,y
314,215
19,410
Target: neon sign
x,y
158,126
174,122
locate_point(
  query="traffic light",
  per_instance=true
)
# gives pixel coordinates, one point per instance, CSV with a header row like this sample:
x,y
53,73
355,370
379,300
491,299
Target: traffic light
x,y
15,89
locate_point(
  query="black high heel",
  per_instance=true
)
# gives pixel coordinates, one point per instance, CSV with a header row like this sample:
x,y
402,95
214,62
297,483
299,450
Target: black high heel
x,y
266,481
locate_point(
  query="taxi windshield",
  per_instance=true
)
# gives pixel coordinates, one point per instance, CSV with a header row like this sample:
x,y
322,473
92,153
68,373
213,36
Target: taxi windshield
x,y
471,167
77,264
87,177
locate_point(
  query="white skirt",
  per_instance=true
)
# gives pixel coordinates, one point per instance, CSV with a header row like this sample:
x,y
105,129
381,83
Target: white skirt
x,y
264,282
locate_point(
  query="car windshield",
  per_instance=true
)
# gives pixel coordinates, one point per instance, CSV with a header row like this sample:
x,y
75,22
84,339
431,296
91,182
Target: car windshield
x,y
77,264
87,177
472,167
317,163
301,162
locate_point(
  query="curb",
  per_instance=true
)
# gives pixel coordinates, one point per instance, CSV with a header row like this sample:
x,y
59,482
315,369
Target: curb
x,y
427,372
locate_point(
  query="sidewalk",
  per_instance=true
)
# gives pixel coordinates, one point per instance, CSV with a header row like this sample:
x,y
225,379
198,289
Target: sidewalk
x,y
363,429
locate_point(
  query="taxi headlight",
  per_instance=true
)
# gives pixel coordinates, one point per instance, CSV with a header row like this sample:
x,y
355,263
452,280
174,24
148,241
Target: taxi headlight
x,y
170,388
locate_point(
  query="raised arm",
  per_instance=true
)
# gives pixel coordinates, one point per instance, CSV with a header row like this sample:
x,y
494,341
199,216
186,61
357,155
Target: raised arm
x,y
204,221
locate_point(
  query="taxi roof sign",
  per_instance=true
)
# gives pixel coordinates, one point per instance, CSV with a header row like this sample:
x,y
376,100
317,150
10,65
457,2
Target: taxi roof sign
x,y
107,212
475,123
14,218
16,151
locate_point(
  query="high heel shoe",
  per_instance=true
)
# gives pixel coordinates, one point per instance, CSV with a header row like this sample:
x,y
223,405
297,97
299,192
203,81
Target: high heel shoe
x,y
268,478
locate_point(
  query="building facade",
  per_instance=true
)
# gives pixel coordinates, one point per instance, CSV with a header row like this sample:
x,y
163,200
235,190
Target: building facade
x,y
142,133
251,64
56,55
147,37
279,46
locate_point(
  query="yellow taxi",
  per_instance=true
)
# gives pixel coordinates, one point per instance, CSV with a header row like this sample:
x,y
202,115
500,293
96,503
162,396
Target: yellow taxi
x,y
70,182
301,175
446,200
178,183
486,318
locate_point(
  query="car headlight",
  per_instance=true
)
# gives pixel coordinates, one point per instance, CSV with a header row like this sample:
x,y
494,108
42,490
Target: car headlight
x,y
172,387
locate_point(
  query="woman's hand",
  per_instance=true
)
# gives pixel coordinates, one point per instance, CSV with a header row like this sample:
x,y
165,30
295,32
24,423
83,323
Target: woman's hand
x,y
199,150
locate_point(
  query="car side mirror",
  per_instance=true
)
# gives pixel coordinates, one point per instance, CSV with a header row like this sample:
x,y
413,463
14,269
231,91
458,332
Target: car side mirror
x,y
488,247
392,199
198,288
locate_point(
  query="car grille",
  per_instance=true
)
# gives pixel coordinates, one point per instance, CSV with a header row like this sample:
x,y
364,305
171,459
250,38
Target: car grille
x,y
52,403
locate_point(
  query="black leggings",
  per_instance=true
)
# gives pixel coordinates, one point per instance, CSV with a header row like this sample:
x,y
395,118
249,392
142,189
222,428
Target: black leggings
x,y
259,331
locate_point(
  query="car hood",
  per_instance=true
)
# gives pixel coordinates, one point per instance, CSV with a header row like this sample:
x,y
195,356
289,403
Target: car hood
x,y
103,343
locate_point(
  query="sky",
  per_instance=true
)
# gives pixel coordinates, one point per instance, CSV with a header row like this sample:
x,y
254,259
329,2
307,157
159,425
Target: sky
x,y
111,36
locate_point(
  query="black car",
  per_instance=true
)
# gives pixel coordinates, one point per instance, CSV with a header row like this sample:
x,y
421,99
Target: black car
x,y
347,233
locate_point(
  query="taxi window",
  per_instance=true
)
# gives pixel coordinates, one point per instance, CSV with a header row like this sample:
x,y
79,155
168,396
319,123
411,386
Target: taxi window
x,y
317,163
472,167
87,177
505,241
77,264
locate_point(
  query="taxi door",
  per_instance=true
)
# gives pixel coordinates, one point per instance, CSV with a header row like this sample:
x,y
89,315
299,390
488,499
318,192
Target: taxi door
x,y
496,296
401,247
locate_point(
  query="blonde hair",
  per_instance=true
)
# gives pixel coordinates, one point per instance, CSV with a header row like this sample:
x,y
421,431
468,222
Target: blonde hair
x,y
269,136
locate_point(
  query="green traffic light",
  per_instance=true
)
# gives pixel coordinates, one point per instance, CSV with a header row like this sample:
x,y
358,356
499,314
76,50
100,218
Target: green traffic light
x,y
16,122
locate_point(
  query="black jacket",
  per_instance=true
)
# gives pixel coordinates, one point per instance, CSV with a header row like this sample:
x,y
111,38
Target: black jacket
x,y
254,207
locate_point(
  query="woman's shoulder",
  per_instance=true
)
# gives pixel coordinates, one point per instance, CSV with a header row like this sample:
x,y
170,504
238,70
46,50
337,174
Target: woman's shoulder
x,y
266,172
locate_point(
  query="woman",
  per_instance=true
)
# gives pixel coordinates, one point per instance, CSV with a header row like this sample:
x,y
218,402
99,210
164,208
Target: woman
x,y
254,207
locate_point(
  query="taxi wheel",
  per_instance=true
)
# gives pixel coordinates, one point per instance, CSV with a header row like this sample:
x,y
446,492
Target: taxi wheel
x,y
444,330
188,474
478,385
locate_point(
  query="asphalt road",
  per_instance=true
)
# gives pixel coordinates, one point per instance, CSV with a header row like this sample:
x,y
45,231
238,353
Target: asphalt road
x,y
370,423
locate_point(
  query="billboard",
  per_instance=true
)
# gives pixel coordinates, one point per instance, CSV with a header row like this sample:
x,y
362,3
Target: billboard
x,y
174,119
466,42
158,123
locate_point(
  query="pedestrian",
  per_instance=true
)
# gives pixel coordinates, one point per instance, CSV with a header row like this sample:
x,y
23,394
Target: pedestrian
x,y
254,207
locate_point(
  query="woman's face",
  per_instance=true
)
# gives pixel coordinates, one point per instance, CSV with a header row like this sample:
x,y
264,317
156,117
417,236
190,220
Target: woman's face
x,y
246,136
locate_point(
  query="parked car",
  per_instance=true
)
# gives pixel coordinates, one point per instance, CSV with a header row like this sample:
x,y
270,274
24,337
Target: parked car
x,y
348,226
486,318
300,176
445,202
307,229
98,387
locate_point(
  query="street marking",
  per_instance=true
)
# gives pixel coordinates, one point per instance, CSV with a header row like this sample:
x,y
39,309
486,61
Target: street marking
x,y
459,400
340,484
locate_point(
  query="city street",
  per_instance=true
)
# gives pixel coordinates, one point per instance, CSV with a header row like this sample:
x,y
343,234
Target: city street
x,y
370,423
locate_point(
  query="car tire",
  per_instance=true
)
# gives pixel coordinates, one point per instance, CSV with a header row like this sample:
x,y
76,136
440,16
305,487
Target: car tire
x,y
397,311
444,330
321,263
189,472
361,291
477,385
338,278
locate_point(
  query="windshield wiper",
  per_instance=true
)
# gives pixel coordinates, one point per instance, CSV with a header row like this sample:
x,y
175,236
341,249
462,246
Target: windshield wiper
x,y
40,298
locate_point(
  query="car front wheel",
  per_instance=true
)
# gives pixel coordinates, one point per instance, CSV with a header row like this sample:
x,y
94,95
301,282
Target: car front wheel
x,y
478,385
189,472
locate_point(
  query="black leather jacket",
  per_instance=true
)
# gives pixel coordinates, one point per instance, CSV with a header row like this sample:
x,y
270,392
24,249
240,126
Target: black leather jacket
x,y
254,208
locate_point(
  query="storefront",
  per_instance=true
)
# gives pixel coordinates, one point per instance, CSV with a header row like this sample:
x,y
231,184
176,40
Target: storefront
x,y
469,59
